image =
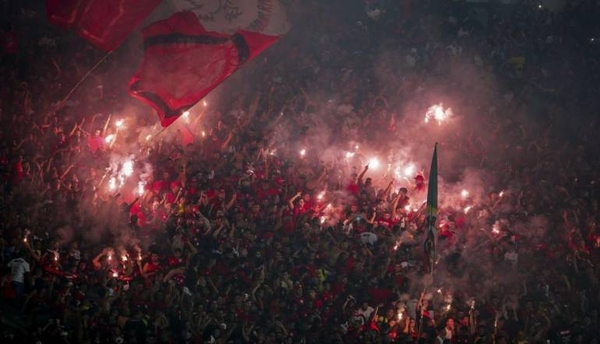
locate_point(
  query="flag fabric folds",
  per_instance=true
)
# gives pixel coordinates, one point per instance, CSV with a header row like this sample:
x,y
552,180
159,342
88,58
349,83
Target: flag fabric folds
x,y
183,62
432,208
104,23
186,55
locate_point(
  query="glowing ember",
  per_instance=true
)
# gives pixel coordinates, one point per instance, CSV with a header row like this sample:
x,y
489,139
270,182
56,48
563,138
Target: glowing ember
x,y
127,168
467,209
112,184
148,137
186,116
439,290
140,189
119,123
464,193
374,163
320,195
303,152
501,193
110,138
496,228
438,114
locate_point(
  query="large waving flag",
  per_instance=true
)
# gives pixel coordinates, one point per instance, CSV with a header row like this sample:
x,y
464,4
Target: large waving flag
x,y
104,23
183,62
432,208
186,55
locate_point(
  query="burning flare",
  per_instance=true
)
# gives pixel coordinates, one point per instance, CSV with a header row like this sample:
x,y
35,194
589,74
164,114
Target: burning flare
x,y
438,114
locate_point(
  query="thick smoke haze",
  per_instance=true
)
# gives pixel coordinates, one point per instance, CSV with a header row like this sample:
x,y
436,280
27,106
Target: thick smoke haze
x,y
323,127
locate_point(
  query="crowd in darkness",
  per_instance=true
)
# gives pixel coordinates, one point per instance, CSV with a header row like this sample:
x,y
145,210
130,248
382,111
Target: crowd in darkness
x,y
235,237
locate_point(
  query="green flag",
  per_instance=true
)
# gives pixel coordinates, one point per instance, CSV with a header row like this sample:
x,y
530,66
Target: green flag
x,y
432,209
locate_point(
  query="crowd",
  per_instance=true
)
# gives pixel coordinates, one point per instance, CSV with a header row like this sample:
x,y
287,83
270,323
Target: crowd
x,y
239,224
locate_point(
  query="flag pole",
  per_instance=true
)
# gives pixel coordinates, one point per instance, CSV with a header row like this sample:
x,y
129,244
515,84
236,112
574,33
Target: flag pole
x,y
432,205
431,235
89,72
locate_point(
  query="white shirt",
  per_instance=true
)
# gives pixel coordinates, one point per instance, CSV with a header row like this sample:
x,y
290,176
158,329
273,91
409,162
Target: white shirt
x,y
367,312
18,268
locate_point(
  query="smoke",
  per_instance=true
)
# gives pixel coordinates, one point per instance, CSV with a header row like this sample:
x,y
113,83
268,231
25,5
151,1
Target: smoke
x,y
344,109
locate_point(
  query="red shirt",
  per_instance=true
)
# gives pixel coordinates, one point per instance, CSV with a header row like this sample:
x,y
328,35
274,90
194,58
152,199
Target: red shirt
x,y
19,173
353,188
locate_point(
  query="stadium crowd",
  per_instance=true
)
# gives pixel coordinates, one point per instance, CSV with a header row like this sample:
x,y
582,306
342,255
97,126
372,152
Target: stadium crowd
x,y
233,236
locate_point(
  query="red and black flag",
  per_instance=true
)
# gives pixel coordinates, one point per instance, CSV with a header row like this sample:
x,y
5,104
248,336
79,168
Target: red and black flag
x,y
183,62
104,23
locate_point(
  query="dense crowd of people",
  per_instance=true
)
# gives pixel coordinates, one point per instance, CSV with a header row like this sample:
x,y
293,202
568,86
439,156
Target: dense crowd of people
x,y
259,218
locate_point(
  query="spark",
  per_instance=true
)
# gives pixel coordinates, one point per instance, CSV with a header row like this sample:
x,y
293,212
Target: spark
x,y
112,184
501,193
438,114
110,138
185,114
141,186
409,170
119,123
127,168
495,228
464,193
349,155
148,137
374,163
203,133
303,152
323,219
467,209
320,195
204,103
124,258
